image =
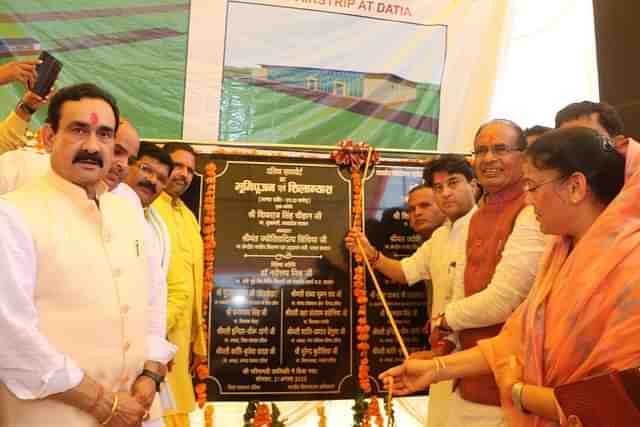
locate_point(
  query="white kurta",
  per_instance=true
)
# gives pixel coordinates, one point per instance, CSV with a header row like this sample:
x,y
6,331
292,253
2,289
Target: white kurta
x,y
158,245
509,286
162,240
511,281
21,166
75,299
24,165
438,259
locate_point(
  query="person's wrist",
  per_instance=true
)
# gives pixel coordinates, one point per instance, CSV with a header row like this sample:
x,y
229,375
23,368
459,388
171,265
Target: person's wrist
x,y
25,108
438,369
375,258
96,402
155,377
440,322
516,396
157,367
103,408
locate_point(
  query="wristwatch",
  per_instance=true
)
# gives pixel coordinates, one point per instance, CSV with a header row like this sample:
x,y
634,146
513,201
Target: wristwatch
x,y
26,108
157,378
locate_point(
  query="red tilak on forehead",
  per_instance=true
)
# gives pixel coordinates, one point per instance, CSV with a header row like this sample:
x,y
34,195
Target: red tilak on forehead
x,y
93,119
490,135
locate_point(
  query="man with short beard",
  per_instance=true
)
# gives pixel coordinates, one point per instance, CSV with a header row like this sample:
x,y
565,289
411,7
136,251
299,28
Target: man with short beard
x,y
184,282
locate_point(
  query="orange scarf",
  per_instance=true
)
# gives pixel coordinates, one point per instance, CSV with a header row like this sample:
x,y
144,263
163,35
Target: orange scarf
x,y
582,317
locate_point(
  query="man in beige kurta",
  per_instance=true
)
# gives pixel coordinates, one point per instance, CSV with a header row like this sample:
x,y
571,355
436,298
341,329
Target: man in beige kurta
x,y
74,311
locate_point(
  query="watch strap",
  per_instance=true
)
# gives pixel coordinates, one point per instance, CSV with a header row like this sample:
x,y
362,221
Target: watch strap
x,y
157,378
26,108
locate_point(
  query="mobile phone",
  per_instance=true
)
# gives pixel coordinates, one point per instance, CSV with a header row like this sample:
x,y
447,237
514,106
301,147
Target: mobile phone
x,y
48,72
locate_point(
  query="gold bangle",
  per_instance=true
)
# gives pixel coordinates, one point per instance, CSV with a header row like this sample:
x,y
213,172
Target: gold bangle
x,y
114,408
440,366
375,258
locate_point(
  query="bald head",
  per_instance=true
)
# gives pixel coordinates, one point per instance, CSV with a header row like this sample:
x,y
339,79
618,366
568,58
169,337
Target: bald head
x,y
126,146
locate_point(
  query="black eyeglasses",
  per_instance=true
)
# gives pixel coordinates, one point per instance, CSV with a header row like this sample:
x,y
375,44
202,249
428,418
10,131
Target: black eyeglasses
x,y
532,188
498,150
149,171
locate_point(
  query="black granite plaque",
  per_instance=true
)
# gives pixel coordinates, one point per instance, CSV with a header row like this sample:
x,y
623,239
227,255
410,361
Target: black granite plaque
x,y
282,316
280,325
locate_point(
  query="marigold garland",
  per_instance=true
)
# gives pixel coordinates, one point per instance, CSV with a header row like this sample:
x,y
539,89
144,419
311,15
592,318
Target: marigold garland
x,y
259,414
209,242
373,411
322,417
208,415
356,156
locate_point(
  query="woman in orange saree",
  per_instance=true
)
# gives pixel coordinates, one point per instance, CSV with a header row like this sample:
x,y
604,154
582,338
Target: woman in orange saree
x,y
582,317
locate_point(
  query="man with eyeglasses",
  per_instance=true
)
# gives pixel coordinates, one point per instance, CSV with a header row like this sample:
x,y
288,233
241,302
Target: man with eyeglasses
x,y
148,177
504,245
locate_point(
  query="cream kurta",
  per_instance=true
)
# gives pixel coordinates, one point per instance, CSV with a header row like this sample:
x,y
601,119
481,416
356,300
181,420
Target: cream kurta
x,y
84,304
184,284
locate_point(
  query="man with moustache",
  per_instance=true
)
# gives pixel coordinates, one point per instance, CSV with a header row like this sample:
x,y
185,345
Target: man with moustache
x,y
148,177
452,181
23,165
75,286
503,248
184,282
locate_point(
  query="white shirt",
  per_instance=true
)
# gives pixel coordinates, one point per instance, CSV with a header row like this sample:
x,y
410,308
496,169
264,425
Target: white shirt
x,y
20,166
160,349
437,259
511,281
30,361
161,237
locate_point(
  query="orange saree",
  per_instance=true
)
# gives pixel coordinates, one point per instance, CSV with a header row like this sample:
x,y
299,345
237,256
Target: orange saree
x,y
582,317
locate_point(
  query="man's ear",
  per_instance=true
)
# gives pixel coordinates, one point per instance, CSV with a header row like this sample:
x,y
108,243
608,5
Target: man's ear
x,y
475,185
46,135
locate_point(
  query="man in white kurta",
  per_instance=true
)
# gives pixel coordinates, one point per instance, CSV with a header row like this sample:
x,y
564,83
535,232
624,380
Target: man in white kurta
x,y
76,283
451,178
148,177
514,273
